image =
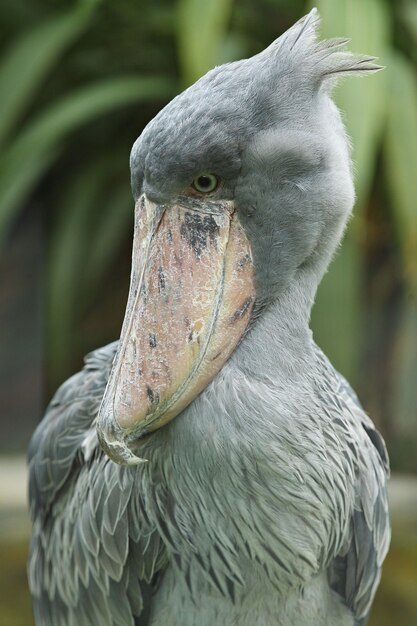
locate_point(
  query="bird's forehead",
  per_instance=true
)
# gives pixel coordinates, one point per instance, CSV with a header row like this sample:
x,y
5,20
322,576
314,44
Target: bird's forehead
x,y
215,103
203,127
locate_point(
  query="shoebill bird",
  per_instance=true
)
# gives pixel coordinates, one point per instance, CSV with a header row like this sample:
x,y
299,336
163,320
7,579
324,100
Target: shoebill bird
x,y
212,467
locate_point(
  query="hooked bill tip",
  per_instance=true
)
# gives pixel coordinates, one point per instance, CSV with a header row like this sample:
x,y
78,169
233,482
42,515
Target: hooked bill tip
x,y
117,449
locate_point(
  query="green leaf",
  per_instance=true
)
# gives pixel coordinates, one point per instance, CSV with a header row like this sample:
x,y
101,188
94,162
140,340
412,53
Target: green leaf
x,y
29,60
400,152
24,163
404,368
408,13
69,247
201,26
86,238
116,216
335,317
362,99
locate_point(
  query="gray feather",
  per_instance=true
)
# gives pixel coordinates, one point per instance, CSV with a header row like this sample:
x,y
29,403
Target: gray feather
x,y
83,557
355,575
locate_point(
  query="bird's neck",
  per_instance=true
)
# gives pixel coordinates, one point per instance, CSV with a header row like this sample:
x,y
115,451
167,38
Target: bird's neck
x,y
247,454
279,343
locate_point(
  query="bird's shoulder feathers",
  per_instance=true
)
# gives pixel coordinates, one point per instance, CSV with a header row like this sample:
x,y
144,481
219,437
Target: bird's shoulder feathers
x,y
94,556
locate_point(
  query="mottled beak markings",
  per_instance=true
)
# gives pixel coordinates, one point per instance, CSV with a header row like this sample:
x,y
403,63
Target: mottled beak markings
x,y
190,301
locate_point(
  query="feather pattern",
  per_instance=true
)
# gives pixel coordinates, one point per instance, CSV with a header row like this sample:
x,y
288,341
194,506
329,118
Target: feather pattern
x,y
322,59
356,570
89,562
102,535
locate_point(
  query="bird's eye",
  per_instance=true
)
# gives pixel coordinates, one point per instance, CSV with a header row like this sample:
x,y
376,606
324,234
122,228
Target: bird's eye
x,y
205,183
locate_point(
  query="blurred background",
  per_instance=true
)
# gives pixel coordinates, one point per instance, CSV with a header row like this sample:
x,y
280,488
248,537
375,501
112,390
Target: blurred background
x,y
78,82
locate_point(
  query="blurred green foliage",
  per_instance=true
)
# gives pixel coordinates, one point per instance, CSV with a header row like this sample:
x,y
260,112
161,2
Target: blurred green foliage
x,y
79,81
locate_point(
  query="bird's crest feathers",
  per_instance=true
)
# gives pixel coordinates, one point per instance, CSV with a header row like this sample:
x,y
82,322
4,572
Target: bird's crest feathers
x,y
320,60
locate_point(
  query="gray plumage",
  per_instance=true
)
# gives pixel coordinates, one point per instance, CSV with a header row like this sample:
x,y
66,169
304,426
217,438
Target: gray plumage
x,y
264,502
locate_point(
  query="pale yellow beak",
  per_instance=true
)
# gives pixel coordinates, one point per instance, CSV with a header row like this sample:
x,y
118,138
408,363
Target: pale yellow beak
x,y
190,301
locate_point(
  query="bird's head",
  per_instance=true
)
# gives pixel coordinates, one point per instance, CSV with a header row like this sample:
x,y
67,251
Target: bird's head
x,y
241,183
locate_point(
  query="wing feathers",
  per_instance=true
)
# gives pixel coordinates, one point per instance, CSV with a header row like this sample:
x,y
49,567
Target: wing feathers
x,y
93,551
356,571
